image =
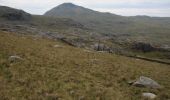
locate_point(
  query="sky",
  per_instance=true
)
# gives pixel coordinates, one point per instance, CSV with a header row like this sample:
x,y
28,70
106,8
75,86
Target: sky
x,y
160,8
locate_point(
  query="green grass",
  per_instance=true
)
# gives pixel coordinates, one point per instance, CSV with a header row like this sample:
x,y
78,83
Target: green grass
x,y
69,73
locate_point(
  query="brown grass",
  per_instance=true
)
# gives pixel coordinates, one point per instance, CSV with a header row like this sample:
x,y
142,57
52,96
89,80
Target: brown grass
x,y
68,73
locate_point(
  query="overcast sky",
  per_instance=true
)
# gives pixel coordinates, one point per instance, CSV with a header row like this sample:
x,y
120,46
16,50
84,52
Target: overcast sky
x,y
121,7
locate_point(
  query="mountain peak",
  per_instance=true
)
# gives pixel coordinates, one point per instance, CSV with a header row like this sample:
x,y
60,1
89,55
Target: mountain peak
x,y
76,12
68,5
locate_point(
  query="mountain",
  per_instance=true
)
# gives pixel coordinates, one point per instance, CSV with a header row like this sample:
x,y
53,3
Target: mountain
x,y
13,14
86,16
70,10
107,23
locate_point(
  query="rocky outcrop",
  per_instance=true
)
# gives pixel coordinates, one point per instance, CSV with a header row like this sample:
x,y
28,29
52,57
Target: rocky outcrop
x,y
101,47
144,47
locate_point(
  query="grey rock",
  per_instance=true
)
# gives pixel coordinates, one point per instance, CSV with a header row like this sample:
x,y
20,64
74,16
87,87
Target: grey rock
x,y
101,47
72,92
81,98
149,95
131,82
52,96
58,46
14,58
146,82
89,51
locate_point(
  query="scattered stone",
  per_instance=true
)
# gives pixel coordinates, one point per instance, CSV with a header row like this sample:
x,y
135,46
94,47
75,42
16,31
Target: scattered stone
x,y
146,82
137,59
58,46
52,96
102,51
87,51
149,95
81,98
14,58
131,82
72,92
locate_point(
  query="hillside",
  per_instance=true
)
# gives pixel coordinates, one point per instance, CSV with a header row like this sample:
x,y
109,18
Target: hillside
x,y
51,69
80,33
13,14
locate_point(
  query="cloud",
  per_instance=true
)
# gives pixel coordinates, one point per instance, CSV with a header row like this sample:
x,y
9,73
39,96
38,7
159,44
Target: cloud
x,y
145,7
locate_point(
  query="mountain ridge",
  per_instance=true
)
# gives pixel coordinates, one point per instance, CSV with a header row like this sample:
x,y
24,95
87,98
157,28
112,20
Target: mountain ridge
x,y
13,14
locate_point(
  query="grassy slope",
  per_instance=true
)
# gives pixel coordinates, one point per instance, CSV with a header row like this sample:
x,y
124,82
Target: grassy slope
x,y
71,73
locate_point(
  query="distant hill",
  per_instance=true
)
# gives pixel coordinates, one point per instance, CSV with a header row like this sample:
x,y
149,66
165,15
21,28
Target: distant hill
x,y
77,12
110,23
13,14
86,16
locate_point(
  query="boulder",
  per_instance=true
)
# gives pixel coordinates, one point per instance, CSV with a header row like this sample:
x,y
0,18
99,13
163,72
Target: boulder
x,y
149,95
146,82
